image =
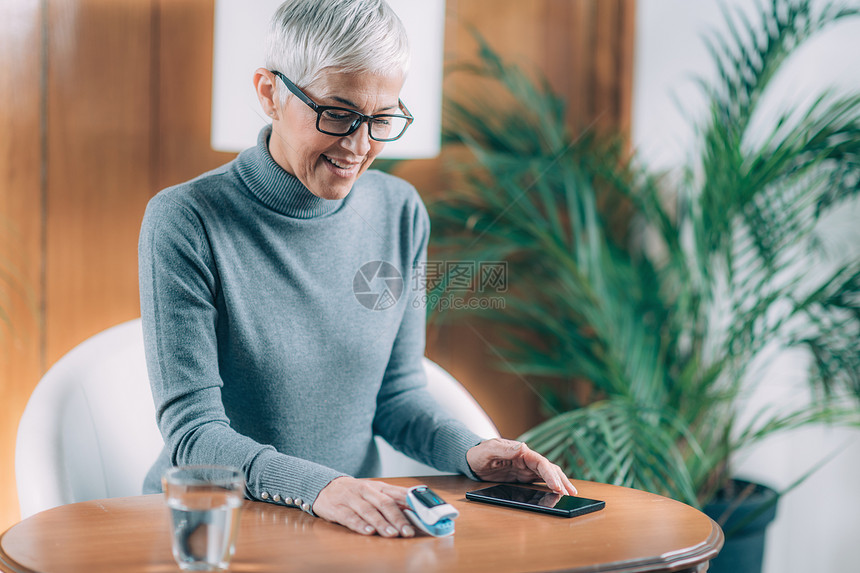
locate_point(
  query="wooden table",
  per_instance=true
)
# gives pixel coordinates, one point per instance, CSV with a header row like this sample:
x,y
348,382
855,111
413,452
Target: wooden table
x,y
637,531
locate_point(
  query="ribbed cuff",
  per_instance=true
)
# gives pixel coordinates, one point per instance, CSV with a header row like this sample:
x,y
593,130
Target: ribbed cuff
x,y
287,480
450,444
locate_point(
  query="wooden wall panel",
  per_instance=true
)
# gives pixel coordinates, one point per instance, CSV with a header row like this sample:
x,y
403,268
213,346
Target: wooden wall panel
x,y
624,44
100,110
186,30
20,228
584,48
117,106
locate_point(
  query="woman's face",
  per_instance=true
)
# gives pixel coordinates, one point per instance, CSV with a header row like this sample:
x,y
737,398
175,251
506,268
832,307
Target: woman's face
x,y
328,165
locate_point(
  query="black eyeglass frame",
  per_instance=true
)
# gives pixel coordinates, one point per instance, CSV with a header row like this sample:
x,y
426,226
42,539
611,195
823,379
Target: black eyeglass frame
x,y
362,118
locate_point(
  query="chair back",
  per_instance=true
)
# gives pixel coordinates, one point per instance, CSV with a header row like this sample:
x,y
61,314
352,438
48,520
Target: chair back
x,y
452,396
89,430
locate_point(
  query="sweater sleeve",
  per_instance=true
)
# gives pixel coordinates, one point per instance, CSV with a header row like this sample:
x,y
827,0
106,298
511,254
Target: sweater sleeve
x,y
178,289
407,416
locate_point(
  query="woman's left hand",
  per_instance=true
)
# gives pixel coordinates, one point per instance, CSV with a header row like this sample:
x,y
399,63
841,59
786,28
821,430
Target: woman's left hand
x,y
509,461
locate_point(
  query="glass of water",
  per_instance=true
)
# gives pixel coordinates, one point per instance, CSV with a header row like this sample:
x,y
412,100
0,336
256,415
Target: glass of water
x,y
204,504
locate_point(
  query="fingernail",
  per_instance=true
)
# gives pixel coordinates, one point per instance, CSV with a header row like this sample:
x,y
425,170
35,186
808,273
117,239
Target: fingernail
x,y
390,530
368,529
407,531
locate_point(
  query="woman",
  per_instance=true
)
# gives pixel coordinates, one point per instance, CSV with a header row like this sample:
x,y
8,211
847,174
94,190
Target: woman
x,y
259,353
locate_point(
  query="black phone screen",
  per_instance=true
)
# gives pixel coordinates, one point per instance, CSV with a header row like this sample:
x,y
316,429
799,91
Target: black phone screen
x,y
536,500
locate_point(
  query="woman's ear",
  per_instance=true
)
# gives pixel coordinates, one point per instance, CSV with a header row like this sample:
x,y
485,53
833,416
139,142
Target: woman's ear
x,y
264,84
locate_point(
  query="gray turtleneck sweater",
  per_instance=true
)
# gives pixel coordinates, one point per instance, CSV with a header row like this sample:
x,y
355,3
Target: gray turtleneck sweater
x,y
263,346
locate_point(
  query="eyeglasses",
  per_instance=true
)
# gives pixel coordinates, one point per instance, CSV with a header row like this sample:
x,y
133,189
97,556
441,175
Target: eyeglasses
x,y
341,121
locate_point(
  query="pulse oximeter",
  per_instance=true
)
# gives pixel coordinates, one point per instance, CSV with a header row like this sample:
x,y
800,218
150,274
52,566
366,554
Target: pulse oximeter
x,y
429,512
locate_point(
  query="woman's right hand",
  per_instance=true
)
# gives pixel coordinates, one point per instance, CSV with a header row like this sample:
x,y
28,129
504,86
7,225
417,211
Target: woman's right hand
x,y
365,506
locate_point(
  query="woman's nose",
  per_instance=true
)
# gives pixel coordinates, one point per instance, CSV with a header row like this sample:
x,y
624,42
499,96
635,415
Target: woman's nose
x,y
358,141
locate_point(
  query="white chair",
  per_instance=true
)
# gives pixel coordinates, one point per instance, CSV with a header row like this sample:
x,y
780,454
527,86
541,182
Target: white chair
x,y
454,398
89,431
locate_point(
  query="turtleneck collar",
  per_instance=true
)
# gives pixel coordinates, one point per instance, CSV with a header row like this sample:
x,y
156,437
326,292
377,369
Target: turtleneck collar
x,y
277,189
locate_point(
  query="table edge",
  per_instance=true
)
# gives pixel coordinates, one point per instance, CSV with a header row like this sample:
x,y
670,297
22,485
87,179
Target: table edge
x,y
678,561
681,560
7,564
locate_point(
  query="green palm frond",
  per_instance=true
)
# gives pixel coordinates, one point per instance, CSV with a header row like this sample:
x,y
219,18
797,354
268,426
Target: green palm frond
x,y
734,171
665,332
620,442
831,330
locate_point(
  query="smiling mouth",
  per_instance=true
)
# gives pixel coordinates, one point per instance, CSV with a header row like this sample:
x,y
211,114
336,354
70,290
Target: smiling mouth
x,y
340,164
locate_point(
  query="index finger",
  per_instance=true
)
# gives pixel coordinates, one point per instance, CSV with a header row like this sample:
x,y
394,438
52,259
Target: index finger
x,y
560,484
549,472
395,492
542,467
568,485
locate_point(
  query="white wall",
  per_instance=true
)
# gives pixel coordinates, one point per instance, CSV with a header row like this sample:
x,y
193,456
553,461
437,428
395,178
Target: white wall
x,y
818,524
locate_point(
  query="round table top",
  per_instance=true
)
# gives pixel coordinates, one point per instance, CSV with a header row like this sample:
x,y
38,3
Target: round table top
x,y
637,531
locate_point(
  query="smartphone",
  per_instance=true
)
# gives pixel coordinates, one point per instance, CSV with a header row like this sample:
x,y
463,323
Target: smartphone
x,y
536,500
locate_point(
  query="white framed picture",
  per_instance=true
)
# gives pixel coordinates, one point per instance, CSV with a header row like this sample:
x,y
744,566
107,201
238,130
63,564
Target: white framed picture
x,y
240,29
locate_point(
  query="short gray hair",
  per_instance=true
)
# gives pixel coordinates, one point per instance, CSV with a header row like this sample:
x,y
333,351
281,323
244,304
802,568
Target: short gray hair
x,y
307,37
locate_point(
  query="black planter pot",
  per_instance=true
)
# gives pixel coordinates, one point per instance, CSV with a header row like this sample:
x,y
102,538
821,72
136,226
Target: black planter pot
x,y
745,527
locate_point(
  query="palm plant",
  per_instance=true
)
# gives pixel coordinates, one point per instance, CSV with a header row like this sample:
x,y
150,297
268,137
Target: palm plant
x,y
645,306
